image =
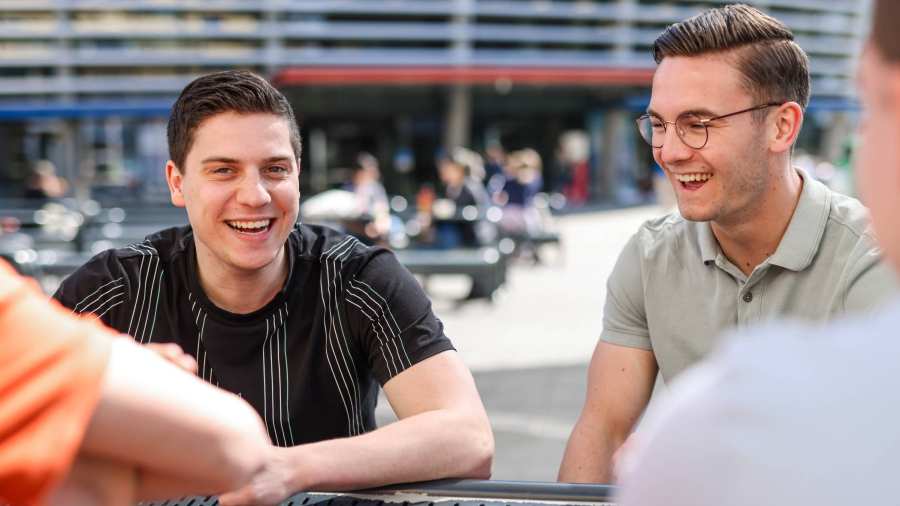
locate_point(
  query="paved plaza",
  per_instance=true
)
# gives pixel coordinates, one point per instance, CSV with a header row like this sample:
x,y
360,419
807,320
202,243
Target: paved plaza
x,y
529,349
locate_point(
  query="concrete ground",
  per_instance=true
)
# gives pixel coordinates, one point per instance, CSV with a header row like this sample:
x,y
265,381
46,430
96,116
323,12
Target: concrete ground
x,y
529,349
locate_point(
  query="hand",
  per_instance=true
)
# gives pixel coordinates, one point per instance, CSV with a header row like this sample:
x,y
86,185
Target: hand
x,y
271,485
175,355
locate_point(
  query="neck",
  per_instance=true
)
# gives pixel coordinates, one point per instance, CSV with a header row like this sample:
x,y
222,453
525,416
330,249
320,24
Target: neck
x,y
749,239
241,291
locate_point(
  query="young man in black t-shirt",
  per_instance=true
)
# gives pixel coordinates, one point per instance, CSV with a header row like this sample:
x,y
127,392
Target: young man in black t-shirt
x,y
299,320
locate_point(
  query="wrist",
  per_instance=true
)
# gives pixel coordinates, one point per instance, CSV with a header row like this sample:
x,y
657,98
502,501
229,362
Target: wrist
x,y
299,468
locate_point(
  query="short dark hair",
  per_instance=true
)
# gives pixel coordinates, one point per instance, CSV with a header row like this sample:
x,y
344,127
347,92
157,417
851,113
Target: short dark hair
x,y
774,68
237,91
884,29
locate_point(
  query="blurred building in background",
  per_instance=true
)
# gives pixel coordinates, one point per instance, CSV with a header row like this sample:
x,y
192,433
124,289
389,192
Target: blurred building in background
x,y
87,84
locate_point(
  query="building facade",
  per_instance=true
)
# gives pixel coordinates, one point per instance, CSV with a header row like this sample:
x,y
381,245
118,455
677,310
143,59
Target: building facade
x,y
88,84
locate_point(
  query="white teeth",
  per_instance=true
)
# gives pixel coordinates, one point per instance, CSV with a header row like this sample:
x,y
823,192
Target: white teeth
x,y
689,178
250,225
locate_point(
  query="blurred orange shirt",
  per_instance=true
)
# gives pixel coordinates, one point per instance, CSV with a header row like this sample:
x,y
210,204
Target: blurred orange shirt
x,y
51,371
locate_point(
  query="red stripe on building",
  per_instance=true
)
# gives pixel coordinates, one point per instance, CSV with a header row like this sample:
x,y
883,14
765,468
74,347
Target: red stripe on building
x,y
559,76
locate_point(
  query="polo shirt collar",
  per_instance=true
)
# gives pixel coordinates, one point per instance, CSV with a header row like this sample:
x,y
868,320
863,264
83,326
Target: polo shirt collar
x,y
709,246
801,240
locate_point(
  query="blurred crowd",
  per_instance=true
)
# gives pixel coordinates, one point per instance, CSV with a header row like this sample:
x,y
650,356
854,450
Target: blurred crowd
x,y
479,201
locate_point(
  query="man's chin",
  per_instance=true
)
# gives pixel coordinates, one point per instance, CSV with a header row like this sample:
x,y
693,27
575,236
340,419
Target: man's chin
x,y
691,213
248,261
253,263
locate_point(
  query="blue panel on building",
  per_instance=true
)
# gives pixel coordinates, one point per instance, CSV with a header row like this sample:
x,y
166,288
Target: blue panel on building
x,y
91,109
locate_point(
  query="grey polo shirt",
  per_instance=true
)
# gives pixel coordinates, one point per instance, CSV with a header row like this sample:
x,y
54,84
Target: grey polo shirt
x,y
673,291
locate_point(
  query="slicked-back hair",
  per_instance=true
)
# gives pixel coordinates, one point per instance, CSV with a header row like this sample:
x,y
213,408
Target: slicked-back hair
x,y
236,91
885,33
773,67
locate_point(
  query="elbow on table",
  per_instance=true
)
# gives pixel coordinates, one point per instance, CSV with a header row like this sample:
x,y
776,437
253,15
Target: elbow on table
x,y
243,447
480,447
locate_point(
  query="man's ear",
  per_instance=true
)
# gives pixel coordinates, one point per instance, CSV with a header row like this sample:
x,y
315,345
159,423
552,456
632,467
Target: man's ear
x,y
175,179
788,121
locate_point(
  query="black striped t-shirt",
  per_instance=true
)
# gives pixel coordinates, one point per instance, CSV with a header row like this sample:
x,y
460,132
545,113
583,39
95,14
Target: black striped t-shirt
x,y
348,315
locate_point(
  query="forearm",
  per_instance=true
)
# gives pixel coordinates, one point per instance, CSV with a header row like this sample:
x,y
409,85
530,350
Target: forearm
x,y
159,486
96,480
589,454
159,418
431,445
93,480
620,380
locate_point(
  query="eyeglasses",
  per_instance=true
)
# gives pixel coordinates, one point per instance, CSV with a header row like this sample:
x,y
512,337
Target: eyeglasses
x,y
692,129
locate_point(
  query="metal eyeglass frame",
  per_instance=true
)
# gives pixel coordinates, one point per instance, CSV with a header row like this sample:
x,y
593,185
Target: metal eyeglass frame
x,y
702,121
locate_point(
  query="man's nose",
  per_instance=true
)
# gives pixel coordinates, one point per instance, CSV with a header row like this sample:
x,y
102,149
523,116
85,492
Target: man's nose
x,y
674,149
253,191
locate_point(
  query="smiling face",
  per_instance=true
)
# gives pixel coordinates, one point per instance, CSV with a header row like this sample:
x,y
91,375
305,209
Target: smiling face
x,y
878,162
240,186
727,178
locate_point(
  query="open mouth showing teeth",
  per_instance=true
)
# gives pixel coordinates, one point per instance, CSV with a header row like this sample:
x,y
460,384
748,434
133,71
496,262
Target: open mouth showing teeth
x,y
250,227
693,178
693,181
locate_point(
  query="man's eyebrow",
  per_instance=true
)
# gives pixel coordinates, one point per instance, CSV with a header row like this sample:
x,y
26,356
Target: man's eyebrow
x,y
225,159
219,159
700,111
274,159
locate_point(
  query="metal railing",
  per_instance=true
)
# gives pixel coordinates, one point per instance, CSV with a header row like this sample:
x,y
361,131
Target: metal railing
x,y
447,492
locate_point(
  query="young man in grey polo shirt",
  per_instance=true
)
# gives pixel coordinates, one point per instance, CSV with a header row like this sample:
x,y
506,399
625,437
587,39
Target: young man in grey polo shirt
x,y
791,414
755,238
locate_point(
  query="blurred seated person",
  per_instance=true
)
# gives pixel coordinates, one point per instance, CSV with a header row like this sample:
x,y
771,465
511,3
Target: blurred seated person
x,y
494,172
371,201
523,181
44,183
458,219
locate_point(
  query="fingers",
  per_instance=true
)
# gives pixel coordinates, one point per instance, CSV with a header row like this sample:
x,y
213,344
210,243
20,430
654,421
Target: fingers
x,y
174,354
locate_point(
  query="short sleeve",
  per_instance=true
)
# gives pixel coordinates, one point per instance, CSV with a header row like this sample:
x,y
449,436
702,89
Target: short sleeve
x,y
624,316
98,287
392,317
53,366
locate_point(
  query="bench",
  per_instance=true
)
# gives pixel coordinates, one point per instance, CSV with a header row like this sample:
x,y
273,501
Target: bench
x,y
487,264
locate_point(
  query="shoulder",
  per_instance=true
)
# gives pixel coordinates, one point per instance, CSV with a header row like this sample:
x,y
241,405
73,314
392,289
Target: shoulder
x,y
164,244
850,215
664,232
122,268
849,229
325,245
655,238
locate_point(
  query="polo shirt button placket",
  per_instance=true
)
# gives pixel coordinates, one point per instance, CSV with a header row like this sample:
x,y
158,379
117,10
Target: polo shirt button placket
x,y
748,297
